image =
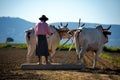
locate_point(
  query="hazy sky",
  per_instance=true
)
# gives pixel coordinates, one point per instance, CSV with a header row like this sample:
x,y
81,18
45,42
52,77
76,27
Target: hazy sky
x,y
97,11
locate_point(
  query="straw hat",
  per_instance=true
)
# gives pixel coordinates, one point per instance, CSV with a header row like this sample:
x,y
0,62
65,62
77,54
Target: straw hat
x,y
43,17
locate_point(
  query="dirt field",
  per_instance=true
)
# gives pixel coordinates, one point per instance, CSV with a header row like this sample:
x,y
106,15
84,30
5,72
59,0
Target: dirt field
x,y
11,59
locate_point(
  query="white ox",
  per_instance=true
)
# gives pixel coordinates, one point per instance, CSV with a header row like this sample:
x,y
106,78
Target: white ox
x,y
53,40
93,39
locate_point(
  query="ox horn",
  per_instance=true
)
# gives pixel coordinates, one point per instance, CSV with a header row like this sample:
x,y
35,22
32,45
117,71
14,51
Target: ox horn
x,y
66,25
109,27
83,25
79,23
61,23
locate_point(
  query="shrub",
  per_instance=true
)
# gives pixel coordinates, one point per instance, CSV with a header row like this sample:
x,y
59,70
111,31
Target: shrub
x,y
10,45
111,49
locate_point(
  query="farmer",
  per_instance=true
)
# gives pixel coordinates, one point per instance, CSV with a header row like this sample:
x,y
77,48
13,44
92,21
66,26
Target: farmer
x,y
41,30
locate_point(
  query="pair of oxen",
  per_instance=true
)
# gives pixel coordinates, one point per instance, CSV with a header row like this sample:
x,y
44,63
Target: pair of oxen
x,y
85,39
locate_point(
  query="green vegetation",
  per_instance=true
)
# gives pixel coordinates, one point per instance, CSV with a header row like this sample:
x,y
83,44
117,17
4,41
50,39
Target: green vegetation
x,y
65,47
111,49
11,45
115,59
24,46
109,53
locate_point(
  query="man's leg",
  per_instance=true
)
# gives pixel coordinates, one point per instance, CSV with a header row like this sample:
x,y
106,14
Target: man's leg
x,y
46,58
40,60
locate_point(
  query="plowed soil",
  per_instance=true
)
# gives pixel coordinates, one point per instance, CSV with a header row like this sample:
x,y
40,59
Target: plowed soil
x,y
12,58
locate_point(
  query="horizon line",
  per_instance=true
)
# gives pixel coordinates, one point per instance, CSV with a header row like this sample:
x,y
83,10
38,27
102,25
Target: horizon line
x,y
62,21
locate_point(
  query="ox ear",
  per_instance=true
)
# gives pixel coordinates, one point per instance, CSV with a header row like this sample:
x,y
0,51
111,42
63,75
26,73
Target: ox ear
x,y
61,24
109,27
66,25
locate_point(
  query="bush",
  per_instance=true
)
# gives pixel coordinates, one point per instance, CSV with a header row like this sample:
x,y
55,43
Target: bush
x,y
10,45
6,46
111,49
21,46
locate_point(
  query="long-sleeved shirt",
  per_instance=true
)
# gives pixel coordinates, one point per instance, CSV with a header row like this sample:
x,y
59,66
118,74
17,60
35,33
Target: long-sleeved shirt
x,y
42,28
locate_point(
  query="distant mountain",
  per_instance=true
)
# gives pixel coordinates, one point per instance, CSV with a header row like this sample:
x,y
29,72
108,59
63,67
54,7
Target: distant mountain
x,y
15,27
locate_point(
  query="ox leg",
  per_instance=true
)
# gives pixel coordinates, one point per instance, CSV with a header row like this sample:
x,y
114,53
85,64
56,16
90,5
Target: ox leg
x,y
96,55
46,58
31,50
39,60
51,56
77,51
80,55
28,56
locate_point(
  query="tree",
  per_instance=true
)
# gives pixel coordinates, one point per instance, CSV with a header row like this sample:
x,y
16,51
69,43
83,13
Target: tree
x,y
9,39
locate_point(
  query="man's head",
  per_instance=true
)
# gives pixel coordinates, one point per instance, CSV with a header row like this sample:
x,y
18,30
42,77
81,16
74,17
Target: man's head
x,y
43,18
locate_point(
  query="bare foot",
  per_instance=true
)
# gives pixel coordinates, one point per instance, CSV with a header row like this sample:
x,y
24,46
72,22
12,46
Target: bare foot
x,y
38,63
